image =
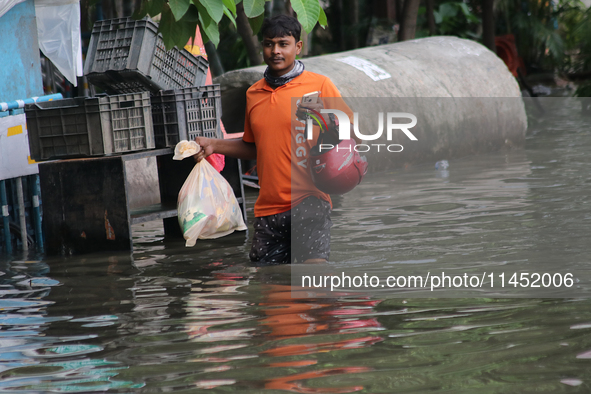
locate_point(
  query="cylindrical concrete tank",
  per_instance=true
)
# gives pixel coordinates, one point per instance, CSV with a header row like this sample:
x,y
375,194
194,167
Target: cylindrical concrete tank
x,y
465,99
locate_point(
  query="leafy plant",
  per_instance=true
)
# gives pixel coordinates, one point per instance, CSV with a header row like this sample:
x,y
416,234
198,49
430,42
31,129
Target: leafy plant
x,y
584,90
576,28
179,18
231,50
456,18
549,34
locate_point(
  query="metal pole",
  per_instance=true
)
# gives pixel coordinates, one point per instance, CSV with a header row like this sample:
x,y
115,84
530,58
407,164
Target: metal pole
x,y
4,207
37,213
21,212
16,104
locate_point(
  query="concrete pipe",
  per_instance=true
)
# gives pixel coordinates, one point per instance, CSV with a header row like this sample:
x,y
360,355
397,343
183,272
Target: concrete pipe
x,y
464,98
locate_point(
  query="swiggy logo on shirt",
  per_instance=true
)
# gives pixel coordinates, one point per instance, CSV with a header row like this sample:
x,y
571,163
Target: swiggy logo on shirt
x,y
301,151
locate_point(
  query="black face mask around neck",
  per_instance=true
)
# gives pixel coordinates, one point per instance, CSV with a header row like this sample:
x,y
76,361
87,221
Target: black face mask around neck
x,y
275,82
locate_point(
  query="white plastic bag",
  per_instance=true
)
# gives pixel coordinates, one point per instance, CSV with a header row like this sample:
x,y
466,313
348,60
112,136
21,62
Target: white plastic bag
x,y
207,207
6,5
58,28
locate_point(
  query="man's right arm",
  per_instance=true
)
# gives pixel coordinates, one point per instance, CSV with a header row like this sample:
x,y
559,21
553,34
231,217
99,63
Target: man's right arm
x,y
237,148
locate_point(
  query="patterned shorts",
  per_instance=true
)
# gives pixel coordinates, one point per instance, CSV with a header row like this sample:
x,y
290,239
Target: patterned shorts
x,y
296,235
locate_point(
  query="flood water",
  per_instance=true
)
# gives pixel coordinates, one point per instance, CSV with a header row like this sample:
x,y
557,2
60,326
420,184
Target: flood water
x,y
173,319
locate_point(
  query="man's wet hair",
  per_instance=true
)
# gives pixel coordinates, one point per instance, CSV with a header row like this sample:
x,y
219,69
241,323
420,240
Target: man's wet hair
x,y
281,26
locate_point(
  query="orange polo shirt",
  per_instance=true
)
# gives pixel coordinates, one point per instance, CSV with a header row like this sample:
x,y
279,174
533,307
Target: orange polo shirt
x,y
270,123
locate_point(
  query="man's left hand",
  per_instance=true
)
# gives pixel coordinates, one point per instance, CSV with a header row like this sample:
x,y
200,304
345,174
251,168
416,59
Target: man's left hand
x,y
305,110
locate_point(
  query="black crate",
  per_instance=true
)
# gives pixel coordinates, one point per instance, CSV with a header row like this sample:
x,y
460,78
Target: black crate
x,y
127,56
95,126
184,114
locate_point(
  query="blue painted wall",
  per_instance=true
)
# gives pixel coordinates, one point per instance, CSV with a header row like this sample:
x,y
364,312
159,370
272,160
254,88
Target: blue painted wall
x,y
20,67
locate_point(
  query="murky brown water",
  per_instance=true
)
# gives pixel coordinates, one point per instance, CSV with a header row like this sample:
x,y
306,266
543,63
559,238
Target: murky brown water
x,y
170,319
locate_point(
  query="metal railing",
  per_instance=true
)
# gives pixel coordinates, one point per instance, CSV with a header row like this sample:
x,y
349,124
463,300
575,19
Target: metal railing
x,y
6,108
20,197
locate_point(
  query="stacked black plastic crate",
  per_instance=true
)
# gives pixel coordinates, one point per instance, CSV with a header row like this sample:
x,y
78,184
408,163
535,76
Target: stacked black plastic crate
x,y
127,56
154,98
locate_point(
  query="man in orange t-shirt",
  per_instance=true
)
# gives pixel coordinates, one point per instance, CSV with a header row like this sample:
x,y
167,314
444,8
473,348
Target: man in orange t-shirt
x,y
289,207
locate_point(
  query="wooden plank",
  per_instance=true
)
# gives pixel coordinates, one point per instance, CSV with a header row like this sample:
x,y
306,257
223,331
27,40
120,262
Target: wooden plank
x,y
152,212
147,153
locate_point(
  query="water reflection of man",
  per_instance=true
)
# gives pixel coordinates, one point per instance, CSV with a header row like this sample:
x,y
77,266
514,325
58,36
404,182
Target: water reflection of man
x,y
288,318
291,334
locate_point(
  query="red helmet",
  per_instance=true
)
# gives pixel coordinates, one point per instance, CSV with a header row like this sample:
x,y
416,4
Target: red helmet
x,y
337,170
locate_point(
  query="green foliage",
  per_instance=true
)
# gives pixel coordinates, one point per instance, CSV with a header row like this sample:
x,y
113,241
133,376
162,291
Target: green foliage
x,y
256,23
584,90
308,12
253,8
456,18
230,5
209,27
230,10
180,18
576,29
322,19
231,50
549,35
169,28
179,8
214,8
